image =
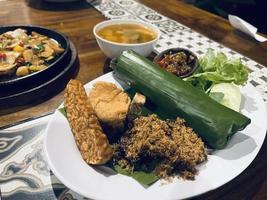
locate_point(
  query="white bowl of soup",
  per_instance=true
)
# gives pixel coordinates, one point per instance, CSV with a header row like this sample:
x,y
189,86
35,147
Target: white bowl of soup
x,y
115,36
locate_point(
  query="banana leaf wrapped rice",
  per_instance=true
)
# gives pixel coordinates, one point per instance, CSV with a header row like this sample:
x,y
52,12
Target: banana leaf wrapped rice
x,y
213,122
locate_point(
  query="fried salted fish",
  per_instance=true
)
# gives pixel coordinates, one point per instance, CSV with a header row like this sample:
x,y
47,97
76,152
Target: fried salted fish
x,y
90,139
110,104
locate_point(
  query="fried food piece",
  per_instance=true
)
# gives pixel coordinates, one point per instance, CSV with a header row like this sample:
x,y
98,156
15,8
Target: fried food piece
x,y
90,139
136,106
110,103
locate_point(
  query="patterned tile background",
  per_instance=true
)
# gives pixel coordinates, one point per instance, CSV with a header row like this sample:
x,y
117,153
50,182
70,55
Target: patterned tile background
x,y
24,173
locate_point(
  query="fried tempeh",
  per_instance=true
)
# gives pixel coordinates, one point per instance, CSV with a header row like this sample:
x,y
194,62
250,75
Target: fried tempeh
x,y
90,139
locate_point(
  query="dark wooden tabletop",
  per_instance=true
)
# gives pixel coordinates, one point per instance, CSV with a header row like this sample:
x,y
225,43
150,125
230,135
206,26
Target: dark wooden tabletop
x,y
78,22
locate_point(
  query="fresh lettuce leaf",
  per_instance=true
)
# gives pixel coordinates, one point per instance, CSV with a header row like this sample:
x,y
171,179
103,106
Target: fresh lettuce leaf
x,y
217,68
210,61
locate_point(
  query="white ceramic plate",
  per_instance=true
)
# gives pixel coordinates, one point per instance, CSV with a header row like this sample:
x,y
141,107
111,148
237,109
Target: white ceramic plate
x,y
97,183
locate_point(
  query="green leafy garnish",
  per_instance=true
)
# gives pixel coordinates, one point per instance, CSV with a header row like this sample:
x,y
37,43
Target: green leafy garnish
x,y
217,68
217,96
27,64
63,111
39,48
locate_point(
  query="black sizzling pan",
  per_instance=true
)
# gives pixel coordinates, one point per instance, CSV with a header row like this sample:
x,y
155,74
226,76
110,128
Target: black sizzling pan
x,y
10,85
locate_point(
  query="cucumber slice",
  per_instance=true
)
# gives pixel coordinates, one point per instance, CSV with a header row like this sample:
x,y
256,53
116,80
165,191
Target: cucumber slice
x,y
232,95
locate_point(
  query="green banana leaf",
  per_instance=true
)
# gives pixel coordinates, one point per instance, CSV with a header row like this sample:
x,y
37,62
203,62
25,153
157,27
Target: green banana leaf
x,y
144,177
62,110
213,122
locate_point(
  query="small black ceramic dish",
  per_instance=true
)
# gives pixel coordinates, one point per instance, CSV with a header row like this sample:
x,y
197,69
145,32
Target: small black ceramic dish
x,y
178,61
13,84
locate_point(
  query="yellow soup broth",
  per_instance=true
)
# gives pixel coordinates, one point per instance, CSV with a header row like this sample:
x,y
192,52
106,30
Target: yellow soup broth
x,y
127,33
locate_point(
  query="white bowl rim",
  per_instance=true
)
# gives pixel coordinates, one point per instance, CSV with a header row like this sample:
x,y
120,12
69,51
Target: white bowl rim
x,y
132,21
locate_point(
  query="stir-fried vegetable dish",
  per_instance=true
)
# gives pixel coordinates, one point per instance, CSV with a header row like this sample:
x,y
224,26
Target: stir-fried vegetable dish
x,y
22,53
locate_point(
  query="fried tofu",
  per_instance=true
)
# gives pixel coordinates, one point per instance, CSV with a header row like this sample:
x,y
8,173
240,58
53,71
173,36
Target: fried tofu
x,y
110,104
89,136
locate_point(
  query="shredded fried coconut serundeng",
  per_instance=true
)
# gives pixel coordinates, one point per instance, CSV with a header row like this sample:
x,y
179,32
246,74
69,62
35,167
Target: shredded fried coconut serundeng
x,y
175,147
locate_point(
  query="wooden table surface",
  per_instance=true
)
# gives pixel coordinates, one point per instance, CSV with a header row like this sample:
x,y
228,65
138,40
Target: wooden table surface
x,y
78,26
